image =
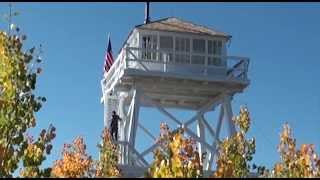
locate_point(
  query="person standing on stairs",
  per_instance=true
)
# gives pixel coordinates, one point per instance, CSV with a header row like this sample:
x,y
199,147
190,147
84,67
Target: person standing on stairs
x,y
114,125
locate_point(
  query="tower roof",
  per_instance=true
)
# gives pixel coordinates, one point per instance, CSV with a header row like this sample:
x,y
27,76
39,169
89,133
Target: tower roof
x,y
177,25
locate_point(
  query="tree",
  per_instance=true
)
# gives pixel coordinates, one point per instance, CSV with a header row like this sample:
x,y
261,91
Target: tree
x,y
108,160
19,71
75,162
35,154
176,157
295,163
235,152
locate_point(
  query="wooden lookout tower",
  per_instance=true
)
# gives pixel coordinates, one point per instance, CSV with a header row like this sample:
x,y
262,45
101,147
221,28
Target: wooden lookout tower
x,y
172,63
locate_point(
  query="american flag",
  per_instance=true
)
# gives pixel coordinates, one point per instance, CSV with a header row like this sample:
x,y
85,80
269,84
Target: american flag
x,y
108,58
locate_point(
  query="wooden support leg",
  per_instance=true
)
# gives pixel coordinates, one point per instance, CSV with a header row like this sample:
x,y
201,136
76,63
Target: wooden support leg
x,y
105,109
136,110
134,117
122,128
218,129
228,113
201,134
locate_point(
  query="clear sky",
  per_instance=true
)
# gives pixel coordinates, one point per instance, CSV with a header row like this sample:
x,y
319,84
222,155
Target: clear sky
x,y
281,39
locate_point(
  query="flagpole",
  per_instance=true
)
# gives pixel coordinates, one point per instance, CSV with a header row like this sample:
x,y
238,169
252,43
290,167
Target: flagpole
x,y
103,89
108,38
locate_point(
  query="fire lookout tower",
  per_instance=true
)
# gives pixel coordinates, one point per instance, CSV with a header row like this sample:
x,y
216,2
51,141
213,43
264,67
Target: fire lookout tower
x,y
171,63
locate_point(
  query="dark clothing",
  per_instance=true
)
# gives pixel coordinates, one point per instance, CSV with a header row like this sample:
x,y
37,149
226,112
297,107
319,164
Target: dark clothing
x,y
114,121
114,134
114,126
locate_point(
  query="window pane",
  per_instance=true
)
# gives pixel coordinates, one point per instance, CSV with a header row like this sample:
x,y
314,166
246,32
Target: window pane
x,y
155,41
197,59
215,47
182,44
199,45
149,42
177,43
166,42
219,49
187,45
210,47
144,42
214,61
182,59
166,57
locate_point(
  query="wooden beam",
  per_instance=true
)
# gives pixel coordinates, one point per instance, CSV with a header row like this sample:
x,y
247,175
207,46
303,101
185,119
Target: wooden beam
x,y
215,81
147,132
219,125
208,160
161,109
132,149
212,155
228,113
136,109
139,156
201,135
213,102
193,135
129,124
221,115
168,114
177,97
149,149
172,83
213,134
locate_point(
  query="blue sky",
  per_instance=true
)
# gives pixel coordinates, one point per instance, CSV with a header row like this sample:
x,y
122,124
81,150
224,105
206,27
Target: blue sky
x,y
281,39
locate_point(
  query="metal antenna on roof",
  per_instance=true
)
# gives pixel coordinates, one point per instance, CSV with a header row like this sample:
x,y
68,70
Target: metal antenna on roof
x,y
146,11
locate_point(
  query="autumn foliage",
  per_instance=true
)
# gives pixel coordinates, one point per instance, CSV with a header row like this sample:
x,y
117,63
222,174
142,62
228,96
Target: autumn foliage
x,y
236,152
19,70
295,163
107,165
35,154
75,162
176,157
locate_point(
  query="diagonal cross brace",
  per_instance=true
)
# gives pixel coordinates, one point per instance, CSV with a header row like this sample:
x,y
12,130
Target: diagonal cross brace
x,y
212,103
147,132
149,149
161,109
193,135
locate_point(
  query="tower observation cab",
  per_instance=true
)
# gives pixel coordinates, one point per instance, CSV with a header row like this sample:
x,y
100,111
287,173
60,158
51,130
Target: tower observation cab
x,y
172,63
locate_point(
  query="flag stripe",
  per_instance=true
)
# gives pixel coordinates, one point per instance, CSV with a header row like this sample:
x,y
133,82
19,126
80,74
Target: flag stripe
x,y
108,57
109,63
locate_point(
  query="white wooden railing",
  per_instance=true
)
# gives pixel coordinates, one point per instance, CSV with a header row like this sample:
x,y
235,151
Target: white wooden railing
x,y
229,68
112,76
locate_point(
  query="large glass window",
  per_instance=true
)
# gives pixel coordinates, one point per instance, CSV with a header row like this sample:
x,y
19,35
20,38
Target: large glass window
x,y
182,49
149,42
166,42
166,48
198,59
198,46
215,50
182,44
